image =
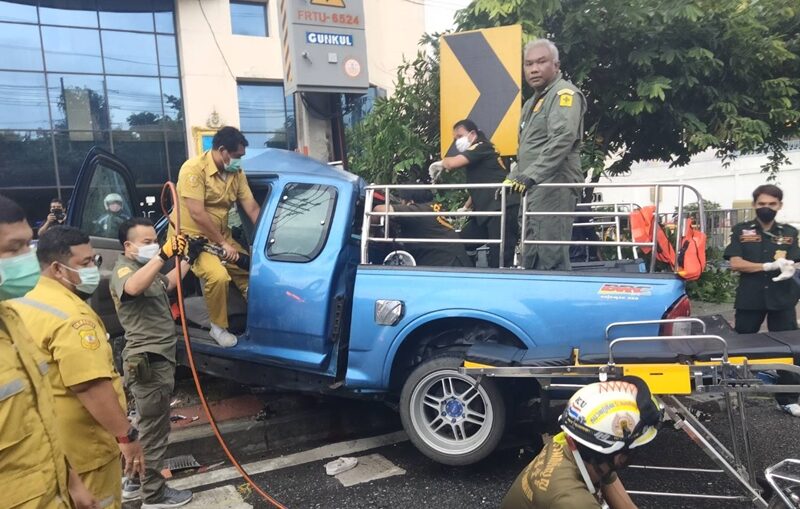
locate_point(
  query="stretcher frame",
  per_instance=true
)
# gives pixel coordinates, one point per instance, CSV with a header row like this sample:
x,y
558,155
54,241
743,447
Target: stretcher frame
x,y
732,377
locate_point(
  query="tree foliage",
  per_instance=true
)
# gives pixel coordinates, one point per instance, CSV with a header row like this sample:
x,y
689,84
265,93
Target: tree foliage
x,y
403,130
666,79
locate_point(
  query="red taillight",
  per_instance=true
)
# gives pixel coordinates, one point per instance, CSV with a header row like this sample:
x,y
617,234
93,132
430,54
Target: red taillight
x,y
681,309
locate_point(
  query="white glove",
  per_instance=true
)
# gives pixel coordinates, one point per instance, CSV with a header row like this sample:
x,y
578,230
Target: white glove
x,y
770,266
435,170
464,209
787,270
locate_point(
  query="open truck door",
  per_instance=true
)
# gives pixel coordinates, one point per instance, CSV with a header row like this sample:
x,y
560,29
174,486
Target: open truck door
x,y
104,184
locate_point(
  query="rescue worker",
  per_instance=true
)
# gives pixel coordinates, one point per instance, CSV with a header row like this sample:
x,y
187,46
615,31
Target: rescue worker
x,y
763,251
602,423
139,291
108,224
549,152
482,165
33,469
426,227
208,185
89,400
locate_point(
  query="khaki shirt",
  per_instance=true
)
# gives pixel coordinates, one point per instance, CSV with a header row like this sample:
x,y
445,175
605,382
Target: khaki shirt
x,y
551,481
32,462
146,318
200,179
78,350
550,134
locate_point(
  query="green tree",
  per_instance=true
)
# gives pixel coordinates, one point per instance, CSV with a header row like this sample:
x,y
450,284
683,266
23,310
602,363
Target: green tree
x,y
666,79
403,130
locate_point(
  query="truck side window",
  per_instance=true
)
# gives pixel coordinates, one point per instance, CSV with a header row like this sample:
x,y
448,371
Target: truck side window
x,y
108,204
301,223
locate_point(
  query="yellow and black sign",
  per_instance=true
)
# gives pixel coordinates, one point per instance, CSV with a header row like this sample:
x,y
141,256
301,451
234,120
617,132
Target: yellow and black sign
x,y
328,3
481,74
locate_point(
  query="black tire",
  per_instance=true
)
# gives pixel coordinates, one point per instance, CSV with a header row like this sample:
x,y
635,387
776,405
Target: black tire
x,y
459,438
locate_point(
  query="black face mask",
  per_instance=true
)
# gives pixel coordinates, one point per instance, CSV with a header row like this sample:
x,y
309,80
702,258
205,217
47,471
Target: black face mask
x,y
766,214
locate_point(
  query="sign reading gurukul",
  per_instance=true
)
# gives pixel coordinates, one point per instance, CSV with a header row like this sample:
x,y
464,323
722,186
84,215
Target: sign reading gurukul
x,y
329,39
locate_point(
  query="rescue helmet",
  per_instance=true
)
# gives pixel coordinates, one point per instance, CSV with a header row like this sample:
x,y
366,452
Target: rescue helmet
x,y
608,417
112,198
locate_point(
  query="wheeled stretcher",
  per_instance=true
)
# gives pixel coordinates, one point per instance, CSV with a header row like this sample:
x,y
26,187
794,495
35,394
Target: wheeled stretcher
x,y
724,363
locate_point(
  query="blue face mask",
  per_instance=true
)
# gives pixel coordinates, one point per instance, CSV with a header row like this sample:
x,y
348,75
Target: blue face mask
x,y
18,275
90,279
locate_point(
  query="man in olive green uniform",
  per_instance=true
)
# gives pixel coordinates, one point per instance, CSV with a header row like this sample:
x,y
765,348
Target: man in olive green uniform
x,y
763,252
139,291
549,152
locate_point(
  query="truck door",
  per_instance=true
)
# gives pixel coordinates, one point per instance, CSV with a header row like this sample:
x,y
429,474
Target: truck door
x,y
293,286
104,196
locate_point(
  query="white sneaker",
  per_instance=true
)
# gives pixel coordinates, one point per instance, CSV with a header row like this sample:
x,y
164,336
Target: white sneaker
x,y
792,409
223,338
340,465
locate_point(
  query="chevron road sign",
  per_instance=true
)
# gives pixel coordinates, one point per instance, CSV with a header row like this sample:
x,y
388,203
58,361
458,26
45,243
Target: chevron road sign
x,y
481,74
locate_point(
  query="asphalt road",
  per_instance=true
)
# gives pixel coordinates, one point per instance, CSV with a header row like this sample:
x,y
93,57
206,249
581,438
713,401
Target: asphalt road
x,y
427,484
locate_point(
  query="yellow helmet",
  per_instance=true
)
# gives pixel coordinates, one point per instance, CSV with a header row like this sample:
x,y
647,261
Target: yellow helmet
x,y
608,417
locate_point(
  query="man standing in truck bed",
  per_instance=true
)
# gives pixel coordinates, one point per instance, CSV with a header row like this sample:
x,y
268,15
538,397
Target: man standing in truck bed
x,y
208,185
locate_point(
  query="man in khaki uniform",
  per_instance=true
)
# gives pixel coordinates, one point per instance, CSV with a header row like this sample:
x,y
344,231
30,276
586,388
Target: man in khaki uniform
x,y
549,152
140,295
208,186
89,400
33,469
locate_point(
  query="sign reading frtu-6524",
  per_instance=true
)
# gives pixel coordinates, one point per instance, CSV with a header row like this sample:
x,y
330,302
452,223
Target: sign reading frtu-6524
x,y
325,17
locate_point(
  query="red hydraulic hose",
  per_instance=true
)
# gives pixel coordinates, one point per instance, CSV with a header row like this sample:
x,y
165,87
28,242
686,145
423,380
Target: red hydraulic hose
x,y
169,187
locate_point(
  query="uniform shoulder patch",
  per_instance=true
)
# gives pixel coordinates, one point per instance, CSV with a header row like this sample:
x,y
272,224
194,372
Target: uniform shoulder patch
x,y
123,271
87,331
565,100
567,91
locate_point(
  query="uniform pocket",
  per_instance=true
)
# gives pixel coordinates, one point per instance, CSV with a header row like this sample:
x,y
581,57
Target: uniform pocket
x,y
25,489
151,402
14,409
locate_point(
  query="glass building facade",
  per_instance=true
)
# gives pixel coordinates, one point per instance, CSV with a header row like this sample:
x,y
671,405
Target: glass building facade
x,y
81,73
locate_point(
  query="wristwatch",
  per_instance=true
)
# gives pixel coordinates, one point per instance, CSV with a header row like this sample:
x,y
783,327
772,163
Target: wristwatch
x,y
131,436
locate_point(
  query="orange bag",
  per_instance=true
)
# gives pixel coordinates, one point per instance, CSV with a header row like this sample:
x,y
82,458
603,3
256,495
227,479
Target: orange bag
x,y
642,231
692,255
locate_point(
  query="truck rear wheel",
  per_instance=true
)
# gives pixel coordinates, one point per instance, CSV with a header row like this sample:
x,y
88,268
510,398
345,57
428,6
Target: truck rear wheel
x,y
449,418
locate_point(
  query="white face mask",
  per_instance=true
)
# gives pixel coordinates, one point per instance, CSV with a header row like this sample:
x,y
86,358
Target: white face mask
x,y
146,252
462,143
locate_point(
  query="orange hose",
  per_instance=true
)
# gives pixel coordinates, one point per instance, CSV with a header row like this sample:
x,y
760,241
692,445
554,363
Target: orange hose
x,y
170,187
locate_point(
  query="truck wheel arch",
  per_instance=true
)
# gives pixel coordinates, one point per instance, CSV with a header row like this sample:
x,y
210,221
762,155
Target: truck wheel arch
x,y
428,337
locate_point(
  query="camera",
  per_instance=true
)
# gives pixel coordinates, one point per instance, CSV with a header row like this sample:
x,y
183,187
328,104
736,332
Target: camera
x,y
59,214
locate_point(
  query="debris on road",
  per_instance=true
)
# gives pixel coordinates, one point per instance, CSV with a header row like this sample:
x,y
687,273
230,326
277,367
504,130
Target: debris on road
x,y
340,465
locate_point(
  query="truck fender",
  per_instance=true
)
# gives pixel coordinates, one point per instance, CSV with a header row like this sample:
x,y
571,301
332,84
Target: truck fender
x,y
421,320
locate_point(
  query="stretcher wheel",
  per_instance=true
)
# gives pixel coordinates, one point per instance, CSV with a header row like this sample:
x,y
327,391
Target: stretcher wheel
x,y
447,417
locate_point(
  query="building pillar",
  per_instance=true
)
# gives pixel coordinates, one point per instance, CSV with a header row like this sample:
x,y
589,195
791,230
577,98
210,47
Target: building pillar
x,y
313,129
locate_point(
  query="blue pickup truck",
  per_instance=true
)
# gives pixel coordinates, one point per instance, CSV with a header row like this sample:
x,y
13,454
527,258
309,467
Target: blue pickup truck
x,y
320,317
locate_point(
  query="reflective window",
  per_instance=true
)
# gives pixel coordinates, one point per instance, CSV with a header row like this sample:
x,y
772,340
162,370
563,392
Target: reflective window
x,y
24,11
74,13
77,102
145,153
126,15
72,49
26,158
167,55
261,107
23,101
133,101
173,104
165,21
129,53
301,223
19,45
249,18
71,149
108,204
176,150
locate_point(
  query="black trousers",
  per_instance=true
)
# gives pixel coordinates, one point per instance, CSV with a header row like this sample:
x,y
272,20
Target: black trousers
x,y
748,321
490,229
